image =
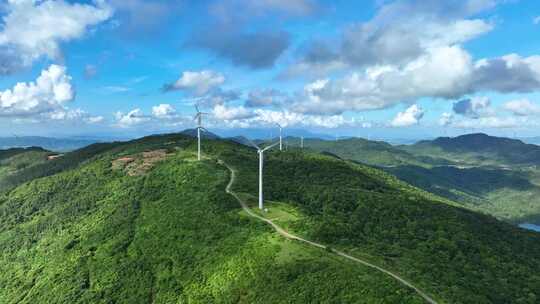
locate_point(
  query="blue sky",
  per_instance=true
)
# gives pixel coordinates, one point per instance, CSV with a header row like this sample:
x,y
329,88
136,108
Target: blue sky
x,y
387,69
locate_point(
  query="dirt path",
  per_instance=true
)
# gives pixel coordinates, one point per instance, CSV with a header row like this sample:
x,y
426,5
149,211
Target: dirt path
x,y
290,236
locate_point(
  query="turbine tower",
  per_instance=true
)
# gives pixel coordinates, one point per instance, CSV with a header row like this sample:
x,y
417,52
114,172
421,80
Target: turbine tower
x,y
261,151
302,142
198,117
280,137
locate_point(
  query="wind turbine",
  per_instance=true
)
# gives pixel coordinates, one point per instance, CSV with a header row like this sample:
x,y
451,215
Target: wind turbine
x,y
261,166
198,117
302,142
280,137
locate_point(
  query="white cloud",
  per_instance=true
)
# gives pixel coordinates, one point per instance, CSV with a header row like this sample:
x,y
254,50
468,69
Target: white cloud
x,y
76,115
231,113
522,107
264,98
507,74
409,117
198,83
446,119
163,111
492,122
34,29
536,20
475,107
51,91
133,118
287,118
443,72
400,32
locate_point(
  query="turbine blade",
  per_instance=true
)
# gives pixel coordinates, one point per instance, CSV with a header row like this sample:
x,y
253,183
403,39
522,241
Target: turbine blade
x,y
253,144
197,108
270,147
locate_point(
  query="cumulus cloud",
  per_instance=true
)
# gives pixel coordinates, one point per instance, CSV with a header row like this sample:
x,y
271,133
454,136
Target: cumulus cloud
x,y
197,82
76,115
224,112
264,98
446,72
475,107
256,50
51,91
522,107
288,118
443,72
163,111
510,73
400,32
227,10
446,119
132,118
132,22
34,29
411,116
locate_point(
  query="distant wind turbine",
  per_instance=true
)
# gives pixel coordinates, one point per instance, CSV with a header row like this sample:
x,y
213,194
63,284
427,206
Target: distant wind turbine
x,y
198,117
280,137
261,151
302,142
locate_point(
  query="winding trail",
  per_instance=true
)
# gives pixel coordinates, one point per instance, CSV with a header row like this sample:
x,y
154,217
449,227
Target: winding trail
x,y
290,236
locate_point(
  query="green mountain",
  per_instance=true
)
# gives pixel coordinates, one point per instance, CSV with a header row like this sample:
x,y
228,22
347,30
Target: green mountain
x,y
493,175
478,149
16,160
142,221
376,153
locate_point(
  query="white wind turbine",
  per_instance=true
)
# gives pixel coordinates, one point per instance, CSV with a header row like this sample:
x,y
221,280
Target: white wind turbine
x,y
198,117
261,166
280,137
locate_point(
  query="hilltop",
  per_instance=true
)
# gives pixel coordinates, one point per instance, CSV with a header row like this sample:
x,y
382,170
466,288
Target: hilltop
x,y
143,221
478,149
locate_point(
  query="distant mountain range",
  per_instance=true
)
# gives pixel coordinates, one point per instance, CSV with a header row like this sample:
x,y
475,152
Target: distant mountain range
x,y
478,149
48,143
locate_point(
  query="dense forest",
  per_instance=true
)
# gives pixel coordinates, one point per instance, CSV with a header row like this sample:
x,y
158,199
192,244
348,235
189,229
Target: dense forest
x,y
169,234
142,221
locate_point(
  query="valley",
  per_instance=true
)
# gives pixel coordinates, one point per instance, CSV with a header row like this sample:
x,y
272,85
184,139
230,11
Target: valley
x,y
469,170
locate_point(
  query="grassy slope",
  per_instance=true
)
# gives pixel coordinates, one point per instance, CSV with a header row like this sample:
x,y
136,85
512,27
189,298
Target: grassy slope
x,y
95,235
458,255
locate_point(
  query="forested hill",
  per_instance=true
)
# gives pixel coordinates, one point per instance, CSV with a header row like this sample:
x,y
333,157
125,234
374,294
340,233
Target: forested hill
x,y
479,149
16,160
143,221
376,153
